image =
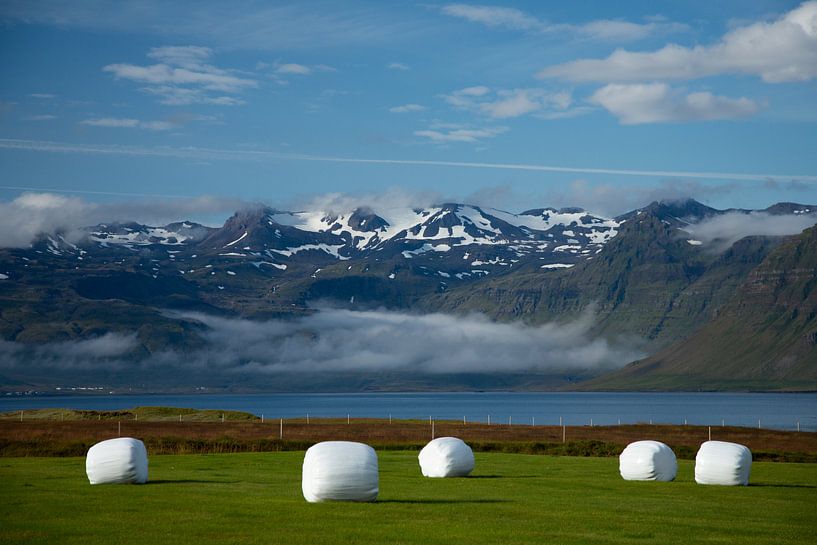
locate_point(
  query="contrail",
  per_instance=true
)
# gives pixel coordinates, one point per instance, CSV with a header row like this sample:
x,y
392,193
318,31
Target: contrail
x,y
221,154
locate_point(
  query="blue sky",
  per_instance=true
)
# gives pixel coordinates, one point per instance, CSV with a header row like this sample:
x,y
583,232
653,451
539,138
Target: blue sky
x,y
278,102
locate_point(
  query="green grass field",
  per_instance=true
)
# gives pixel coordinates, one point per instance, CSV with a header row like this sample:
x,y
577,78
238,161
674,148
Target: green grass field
x,y
511,498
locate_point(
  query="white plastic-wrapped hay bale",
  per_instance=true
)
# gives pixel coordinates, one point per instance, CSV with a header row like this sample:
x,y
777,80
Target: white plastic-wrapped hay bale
x,y
117,461
647,461
446,457
340,471
719,462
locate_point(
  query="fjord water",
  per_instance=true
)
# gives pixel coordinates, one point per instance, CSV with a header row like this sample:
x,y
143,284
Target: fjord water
x,y
773,410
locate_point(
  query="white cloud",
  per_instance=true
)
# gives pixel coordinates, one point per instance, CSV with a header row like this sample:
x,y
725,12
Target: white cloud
x,y
461,135
184,77
517,102
43,96
600,29
508,103
778,51
635,104
724,230
33,214
398,66
43,117
407,108
128,123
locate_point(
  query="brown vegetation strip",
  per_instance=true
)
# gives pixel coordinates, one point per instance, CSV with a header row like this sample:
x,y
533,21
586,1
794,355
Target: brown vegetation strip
x,y
73,438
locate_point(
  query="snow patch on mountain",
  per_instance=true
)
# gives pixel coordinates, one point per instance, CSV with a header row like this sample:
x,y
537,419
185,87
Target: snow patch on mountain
x,y
140,235
239,239
332,250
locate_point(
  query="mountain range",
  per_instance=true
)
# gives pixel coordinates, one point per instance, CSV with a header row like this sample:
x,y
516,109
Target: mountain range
x,y
713,307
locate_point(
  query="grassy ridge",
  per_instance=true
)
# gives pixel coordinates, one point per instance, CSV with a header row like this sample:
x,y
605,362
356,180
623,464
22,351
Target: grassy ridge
x,y
256,498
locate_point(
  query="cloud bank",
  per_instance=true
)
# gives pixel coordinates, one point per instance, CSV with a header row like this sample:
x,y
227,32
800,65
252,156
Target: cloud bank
x,y
720,232
344,341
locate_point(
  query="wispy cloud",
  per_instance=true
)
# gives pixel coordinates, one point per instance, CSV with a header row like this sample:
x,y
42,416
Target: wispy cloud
x,y
778,51
600,29
291,68
262,155
301,69
42,96
242,24
495,16
611,199
641,103
398,66
407,108
510,103
460,135
128,123
183,76
42,117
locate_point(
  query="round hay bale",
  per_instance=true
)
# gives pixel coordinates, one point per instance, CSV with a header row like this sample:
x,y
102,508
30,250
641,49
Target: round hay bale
x,y
117,461
446,457
647,461
340,471
723,463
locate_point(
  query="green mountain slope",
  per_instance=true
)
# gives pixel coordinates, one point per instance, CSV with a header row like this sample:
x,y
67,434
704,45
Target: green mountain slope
x,y
765,337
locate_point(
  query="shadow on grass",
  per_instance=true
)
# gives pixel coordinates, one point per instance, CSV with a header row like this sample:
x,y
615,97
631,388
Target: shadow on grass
x,y
502,476
776,485
443,501
181,481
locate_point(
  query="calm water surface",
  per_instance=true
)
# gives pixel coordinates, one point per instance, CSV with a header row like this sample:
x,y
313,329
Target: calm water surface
x,y
779,411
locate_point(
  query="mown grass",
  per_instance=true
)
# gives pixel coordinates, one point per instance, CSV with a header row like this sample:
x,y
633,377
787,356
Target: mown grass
x,y
511,498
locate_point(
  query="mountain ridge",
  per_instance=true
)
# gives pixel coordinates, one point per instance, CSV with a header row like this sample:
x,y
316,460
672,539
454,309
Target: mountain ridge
x,y
645,277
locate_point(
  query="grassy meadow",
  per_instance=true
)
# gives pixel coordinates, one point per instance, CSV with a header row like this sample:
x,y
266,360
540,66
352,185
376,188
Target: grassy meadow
x,y
510,498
